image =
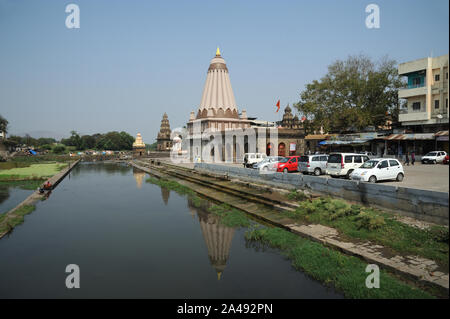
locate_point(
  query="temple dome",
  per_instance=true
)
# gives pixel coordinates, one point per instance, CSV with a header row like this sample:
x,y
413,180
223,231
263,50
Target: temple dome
x,y
138,142
218,97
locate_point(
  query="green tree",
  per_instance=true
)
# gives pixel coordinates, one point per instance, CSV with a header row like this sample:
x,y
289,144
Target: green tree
x,y
354,94
87,142
115,141
3,124
59,149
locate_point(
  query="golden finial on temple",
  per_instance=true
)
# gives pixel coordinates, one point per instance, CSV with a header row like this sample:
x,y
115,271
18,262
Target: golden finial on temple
x,y
218,51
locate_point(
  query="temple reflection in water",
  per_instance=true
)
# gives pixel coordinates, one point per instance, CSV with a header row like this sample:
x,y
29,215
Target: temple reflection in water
x,y
139,177
217,237
165,194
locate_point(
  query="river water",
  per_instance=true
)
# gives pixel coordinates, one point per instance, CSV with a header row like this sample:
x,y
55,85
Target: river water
x,y
133,239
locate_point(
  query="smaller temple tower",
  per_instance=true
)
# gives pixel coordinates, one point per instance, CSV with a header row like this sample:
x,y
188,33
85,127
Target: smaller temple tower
x,y
138,146
164,143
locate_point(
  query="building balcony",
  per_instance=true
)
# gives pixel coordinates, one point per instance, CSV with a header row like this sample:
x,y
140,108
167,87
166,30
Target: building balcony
x,y
407,115
412,90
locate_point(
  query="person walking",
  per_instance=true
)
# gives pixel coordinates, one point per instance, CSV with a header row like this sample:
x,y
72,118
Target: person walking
x,y
413,157
406,159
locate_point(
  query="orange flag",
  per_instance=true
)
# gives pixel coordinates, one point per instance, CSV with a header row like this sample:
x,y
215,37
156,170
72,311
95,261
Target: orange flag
x,y
278,105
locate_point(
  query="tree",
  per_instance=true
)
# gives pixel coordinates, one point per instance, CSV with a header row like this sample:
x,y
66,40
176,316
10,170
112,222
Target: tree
x,y
3,124
87,142
354,94
115,141
73,140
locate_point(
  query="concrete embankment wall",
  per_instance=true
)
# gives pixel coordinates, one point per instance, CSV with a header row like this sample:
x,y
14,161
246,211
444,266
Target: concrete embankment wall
x,y
425,205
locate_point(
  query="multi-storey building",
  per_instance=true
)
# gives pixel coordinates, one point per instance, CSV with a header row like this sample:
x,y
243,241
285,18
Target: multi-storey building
x,y
426,95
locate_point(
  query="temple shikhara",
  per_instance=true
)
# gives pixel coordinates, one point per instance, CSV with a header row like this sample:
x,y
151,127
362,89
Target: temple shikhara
x,y
138,146
164,142
218,110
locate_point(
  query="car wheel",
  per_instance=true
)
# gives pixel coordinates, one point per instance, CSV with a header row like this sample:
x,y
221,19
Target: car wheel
x,y
349,173
372,179
285,171
265,168
317,171
400,177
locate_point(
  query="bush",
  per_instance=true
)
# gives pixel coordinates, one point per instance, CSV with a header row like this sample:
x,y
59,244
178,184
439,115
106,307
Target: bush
x,y
369,221
439,234
59,149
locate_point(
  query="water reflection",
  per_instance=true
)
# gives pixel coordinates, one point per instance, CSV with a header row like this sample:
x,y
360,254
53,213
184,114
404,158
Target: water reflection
x,y
139,176
105,167
217,236
165,194
132,244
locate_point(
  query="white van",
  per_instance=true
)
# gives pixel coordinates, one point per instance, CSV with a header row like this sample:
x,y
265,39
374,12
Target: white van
x,y
252,158
343,164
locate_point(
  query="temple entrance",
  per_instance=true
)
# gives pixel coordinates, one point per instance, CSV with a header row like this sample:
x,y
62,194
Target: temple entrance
x,y
281,149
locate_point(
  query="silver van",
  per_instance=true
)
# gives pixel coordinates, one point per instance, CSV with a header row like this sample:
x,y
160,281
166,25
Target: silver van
x,y
313,164
343,164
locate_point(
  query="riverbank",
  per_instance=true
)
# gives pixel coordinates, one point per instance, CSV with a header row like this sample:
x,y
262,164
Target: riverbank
x,y
422,270
346,273
15,216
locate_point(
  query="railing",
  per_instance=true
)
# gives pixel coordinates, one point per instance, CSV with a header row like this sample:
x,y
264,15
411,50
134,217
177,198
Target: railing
x,y
413,86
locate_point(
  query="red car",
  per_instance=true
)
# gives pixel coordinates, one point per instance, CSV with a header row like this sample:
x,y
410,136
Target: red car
x,y
287,164
445,161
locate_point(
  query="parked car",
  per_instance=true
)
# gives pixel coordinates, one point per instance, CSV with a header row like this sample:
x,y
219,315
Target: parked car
x,y
252,158
434,157
287,164
267,163
445,161
343,164
313,164
379,169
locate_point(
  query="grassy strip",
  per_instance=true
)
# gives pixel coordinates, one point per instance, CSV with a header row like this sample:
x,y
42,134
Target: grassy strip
x,y
34,171
7,223
346,273
364,223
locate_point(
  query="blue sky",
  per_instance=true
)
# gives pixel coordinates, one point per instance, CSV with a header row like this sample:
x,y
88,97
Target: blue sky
x,y
132,60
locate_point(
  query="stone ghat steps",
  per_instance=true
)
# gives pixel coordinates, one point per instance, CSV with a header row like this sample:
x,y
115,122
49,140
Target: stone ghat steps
x,y
258,198
262,195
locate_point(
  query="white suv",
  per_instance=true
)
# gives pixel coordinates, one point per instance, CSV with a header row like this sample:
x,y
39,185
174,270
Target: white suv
x,y
434,157
252,158
343,164
379,169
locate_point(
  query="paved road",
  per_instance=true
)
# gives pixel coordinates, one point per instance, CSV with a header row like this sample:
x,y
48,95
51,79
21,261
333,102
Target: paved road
x,y
428,176
423,176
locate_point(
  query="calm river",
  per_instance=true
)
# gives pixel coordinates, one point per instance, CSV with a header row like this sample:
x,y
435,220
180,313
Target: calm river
x,y
133,239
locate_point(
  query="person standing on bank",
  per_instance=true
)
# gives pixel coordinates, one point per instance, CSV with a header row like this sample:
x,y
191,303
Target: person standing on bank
x,y
406,159
413,158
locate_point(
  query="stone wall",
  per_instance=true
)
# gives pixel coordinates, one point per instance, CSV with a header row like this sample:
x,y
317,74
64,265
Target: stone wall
x,y
421,204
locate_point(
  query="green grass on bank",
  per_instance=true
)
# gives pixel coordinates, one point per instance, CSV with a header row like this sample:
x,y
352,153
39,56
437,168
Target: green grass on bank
x,y
358,222
7,223
346,273
31,172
